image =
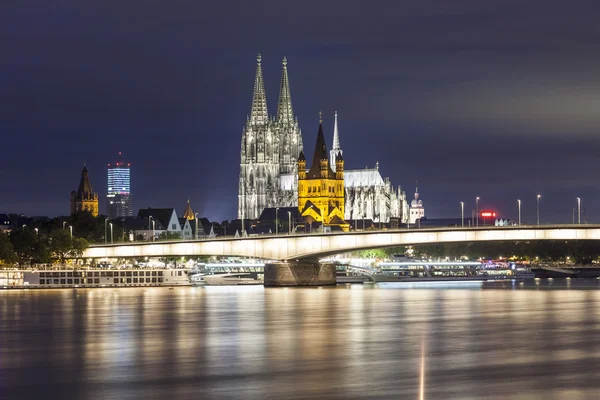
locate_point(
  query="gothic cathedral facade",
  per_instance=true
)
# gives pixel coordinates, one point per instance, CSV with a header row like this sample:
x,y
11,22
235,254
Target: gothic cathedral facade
x,y
269,152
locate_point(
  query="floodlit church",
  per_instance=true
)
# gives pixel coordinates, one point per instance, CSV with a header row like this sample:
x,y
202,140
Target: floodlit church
x,y
270,149
320,188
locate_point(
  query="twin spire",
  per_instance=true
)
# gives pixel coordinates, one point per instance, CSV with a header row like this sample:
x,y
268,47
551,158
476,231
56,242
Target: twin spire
x,y
259,114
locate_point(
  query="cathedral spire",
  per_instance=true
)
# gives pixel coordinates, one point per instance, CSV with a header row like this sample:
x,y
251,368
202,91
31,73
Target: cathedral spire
x,y
285,112
336,135
335,150
259,114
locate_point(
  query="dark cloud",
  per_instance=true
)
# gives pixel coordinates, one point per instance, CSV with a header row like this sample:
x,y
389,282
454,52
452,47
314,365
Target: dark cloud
x,y
496,98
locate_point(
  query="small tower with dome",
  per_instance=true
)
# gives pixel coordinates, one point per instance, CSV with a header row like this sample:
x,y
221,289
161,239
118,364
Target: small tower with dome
x,y
416,207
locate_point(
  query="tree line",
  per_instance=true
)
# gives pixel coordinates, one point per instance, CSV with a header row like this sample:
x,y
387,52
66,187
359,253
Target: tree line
x,y
577,251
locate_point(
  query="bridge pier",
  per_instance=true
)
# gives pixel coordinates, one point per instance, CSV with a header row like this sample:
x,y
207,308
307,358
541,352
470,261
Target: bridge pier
x,y
299,273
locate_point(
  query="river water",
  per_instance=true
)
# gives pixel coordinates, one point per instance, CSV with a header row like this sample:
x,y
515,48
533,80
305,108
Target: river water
x,y
539,340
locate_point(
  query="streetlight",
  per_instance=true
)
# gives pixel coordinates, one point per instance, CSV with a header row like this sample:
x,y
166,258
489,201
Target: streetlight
x,y
538,209
477,210
105,231
36,231
111,233
519,203
462,213
276,221
64,223
71,230
196,215
153,226
578,211
289,222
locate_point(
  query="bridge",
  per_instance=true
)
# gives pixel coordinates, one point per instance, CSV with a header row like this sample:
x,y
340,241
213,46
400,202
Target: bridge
x,y
313,246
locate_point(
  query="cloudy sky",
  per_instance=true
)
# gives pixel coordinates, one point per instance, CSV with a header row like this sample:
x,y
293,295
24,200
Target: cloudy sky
x,y
497,99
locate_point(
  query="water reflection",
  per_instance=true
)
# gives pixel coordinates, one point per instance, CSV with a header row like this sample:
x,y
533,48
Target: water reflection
x,y
531,340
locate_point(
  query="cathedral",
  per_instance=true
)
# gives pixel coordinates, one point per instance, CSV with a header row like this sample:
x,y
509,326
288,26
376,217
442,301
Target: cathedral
x,y
269,153
270,149
84,199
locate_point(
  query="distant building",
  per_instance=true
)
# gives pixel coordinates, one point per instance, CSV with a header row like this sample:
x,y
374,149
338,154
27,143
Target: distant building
x,y
320,190
417,211
5,223
188,213
166,217
118,195
84,199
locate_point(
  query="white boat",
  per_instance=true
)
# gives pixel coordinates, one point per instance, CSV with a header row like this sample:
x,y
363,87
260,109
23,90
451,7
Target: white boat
x,y
92,278
233,278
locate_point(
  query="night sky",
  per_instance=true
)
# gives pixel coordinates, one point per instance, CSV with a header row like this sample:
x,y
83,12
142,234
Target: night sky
x,y
497,99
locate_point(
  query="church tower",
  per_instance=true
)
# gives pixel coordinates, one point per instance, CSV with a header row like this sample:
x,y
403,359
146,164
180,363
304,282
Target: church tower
x,y
269,150
336,145
416,207
259,158
188,213
320,190
84,199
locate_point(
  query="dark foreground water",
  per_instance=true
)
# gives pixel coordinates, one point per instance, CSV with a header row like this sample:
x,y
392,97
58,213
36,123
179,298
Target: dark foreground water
x,y
499,341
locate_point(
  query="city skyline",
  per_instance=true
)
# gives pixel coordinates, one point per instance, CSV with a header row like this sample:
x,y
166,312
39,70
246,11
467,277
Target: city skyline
x,y
443,94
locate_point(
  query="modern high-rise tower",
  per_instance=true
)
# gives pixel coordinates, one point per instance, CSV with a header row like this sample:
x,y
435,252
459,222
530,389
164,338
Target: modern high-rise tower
x,y
118,195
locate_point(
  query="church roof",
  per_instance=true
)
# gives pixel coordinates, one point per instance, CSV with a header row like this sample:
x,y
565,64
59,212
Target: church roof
x,y
310,204
85,187
362,178
320,154
188,213
337,221
301,157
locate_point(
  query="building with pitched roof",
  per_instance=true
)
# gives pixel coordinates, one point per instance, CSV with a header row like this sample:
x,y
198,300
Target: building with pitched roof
x,y
84,199
320,189
188,213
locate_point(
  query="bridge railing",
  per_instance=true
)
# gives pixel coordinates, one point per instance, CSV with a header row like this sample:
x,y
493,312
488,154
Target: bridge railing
x,y
358,232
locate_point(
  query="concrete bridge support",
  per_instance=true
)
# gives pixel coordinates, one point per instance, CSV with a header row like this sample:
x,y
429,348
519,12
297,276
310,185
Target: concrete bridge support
x,y
299,273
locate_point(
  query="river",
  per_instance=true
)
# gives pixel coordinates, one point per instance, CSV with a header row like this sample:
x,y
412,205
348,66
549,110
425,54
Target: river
x,y
539,340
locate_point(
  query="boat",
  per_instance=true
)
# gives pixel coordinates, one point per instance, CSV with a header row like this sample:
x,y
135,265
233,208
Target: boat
x,y
384,277
92,277
232,278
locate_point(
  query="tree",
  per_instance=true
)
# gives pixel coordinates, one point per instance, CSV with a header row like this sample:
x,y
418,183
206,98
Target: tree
x,y
7,254
28,247
63,247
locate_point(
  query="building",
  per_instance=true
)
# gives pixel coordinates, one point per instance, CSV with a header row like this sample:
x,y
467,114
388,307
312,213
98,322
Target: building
x,y
367,194
188,213
320,190
84,199
5,225
268,177
166,218
417,211
118,194
269,150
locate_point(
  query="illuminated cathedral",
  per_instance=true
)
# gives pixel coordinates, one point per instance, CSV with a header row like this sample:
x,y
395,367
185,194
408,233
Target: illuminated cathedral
x,y
270,149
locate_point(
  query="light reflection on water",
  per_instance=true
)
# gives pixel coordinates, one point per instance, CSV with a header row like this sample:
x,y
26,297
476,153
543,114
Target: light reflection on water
x,y
531,340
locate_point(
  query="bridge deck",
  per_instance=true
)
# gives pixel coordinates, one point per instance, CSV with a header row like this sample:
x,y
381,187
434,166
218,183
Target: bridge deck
x,y
295,247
